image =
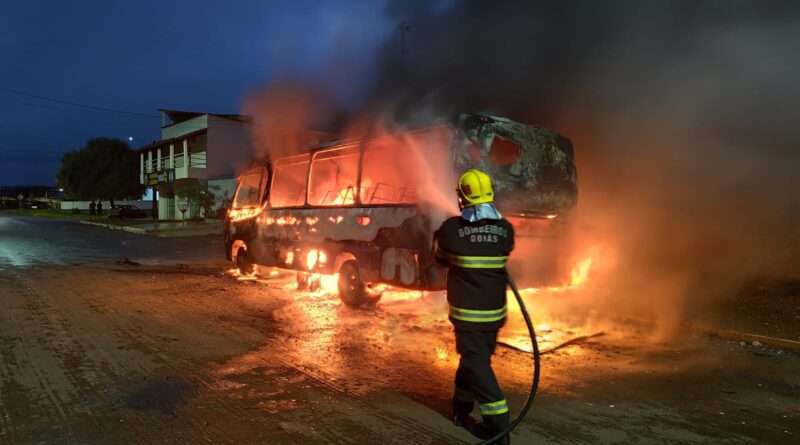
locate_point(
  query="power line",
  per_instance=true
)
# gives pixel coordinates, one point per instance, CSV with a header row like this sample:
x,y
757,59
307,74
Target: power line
x,y
96,112
115,112
75,104
13,150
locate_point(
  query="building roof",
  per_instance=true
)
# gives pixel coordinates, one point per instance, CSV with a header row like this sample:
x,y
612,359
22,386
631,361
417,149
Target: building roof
x,y
178,116
166,142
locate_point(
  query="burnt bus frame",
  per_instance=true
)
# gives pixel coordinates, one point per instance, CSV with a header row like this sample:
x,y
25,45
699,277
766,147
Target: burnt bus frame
x,y
368,254
428,274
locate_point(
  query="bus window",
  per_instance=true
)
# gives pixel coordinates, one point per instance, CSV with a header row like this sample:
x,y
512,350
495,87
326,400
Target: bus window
x,y
392,170
289,181
250,190
333,177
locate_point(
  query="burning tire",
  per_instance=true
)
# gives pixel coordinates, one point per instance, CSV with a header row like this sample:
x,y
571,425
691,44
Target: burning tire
x,y
246,268
352,291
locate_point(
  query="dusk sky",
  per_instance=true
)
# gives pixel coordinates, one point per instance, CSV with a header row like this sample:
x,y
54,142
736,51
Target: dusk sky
x,y
141,56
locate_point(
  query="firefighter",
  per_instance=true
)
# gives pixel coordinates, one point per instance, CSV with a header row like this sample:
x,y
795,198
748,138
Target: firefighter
x,y
475,246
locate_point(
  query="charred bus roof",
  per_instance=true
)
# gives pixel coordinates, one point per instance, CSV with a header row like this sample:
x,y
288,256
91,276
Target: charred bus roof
x,y
533,168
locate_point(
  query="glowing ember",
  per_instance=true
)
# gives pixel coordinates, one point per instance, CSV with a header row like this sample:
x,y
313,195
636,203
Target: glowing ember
x,y
311,259
441,353
289,258
544,328
329,283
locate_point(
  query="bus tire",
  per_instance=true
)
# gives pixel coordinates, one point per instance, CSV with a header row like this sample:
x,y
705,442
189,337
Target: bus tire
x,y
352,291
246,268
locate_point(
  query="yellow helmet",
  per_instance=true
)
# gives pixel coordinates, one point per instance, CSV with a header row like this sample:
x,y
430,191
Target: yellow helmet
x,y
475,187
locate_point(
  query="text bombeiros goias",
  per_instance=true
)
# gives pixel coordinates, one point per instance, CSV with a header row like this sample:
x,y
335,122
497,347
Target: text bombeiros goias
x,y
488,233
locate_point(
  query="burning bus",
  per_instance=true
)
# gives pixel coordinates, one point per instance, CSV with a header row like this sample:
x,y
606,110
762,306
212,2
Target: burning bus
x,y
364,211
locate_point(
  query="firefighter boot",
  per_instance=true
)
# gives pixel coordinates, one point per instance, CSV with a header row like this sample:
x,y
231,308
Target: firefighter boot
x,y
492,425
483,432
459,411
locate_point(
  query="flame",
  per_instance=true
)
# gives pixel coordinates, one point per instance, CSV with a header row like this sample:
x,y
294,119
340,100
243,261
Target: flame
x,y
328,283
286,220
311,259
289,258
578,276
242,214
580,273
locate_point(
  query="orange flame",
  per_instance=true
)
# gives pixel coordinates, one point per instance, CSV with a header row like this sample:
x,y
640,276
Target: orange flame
x,y
579,274
311,259
242,214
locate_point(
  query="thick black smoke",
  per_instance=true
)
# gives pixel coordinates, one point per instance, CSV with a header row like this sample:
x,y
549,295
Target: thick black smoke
x,y
685,119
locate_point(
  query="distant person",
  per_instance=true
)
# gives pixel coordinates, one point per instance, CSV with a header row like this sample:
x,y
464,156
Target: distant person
x,y
91,208
99,208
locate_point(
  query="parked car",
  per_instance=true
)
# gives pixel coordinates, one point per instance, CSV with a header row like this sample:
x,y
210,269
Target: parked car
x,y
127,211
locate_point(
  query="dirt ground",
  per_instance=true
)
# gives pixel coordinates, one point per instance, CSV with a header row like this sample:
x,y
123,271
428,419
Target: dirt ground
x,y
101,353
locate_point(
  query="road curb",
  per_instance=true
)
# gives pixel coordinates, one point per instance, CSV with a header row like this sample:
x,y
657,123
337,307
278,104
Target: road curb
x,y
727,334
130,229
175,232
778,343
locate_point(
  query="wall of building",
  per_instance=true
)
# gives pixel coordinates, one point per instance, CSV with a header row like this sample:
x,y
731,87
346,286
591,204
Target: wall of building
x,y
84,205
184,127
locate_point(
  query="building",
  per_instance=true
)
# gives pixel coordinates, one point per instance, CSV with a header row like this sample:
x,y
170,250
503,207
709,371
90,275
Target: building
x,y
195,147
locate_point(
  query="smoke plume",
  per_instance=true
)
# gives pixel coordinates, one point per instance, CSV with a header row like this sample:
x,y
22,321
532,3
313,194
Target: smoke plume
x,y
683,115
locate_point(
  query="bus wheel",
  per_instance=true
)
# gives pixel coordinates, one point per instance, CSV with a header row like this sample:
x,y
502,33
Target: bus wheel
x,y
246,268
352,290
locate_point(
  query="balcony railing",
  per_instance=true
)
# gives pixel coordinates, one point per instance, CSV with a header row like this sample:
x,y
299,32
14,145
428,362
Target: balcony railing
x,y
196,160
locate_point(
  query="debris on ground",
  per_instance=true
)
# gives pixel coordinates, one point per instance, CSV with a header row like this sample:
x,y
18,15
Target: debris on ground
x,y
125,261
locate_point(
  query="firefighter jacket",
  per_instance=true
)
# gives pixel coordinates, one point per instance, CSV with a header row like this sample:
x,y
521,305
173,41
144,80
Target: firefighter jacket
x,y
475,254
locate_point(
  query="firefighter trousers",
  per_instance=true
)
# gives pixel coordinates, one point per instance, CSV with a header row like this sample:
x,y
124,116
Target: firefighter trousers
x,y
475,379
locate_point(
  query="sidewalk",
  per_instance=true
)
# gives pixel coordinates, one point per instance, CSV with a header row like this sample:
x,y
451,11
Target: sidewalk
x,y
161,229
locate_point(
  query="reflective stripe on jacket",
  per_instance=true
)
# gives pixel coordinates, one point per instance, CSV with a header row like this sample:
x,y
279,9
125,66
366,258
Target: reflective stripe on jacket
x,y
472,262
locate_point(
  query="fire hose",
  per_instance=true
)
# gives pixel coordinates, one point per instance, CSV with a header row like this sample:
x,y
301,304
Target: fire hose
x,y
535,383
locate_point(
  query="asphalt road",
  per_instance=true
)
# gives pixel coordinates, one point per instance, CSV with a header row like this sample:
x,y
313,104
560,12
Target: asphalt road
x,y
178,350
31,241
